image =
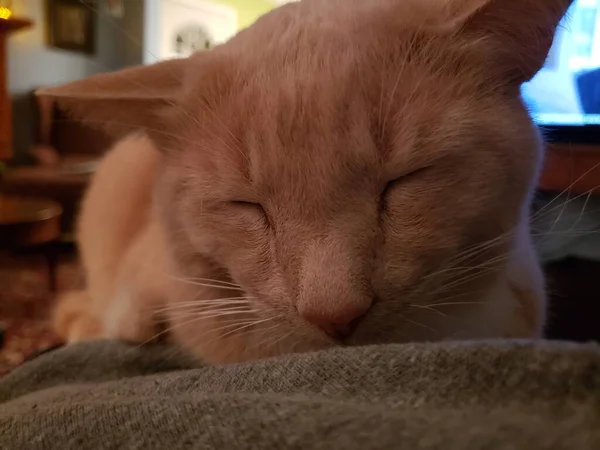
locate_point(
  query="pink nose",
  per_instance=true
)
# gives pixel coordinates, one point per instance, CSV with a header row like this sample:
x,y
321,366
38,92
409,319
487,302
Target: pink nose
x,y
336,324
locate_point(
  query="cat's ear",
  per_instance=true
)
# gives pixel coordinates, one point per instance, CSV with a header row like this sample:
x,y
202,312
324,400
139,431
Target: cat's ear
x,y
122,101
518,34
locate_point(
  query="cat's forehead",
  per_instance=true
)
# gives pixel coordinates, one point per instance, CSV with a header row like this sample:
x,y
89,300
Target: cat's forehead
x,y
329,132
324,97
341,92
323,109
308,50
379,26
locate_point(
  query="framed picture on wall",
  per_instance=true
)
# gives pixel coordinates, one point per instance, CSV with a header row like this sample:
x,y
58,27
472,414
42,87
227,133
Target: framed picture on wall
x,y
178,28
71,25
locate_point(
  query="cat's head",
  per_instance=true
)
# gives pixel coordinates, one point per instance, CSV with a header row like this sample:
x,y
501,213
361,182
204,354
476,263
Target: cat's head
x,y
361,169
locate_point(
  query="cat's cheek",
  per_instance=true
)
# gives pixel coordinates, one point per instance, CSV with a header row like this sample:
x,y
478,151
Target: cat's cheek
x,y
244,231
216,230
237,243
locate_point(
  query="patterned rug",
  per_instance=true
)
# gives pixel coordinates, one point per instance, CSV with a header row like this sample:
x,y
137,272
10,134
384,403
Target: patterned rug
x,y
26,302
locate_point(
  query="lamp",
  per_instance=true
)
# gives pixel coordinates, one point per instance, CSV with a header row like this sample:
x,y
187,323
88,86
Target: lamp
x,y
5,9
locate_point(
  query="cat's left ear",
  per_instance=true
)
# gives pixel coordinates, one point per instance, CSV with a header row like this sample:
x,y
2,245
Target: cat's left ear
x,y
517,34
123,101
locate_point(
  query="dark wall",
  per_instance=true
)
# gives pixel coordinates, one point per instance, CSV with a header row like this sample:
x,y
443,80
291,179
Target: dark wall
x,y
31,64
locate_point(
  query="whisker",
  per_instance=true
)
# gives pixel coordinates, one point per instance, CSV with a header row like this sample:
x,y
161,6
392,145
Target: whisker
x,y
238,309
208,285
456,303
210,314
238,302
567,234
270,341
239,326
477,272
187,322
478,249
429,308
419,324
212,281
587,172
237,330
542,212
277,340
559,216
460,269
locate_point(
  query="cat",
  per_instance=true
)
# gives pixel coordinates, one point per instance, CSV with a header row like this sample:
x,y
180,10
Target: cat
x,y
342,172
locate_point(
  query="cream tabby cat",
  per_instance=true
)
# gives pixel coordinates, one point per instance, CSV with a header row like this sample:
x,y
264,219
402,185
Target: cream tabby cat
x,y
343,172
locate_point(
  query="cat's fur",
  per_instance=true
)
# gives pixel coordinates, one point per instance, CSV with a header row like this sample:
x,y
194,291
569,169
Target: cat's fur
x,y
310,115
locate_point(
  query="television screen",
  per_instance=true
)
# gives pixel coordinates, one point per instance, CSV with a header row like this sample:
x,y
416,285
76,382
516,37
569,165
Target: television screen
x,y
566,92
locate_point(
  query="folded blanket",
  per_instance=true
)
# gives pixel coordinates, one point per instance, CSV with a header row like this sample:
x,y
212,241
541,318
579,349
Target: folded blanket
x,y
494,395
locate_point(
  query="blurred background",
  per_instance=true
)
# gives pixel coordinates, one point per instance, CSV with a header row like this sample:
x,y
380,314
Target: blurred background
x,y
47,159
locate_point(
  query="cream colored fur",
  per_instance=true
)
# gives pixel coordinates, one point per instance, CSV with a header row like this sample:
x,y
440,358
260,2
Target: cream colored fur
x,y
341,173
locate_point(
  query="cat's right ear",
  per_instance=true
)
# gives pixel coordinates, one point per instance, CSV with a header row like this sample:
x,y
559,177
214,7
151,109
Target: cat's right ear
x,y
123,101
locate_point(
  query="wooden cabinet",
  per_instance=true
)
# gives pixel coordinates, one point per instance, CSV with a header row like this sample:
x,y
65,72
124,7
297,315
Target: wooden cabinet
x,y
571,167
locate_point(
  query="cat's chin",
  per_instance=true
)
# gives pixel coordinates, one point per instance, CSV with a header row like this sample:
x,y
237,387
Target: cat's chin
x,y
210,344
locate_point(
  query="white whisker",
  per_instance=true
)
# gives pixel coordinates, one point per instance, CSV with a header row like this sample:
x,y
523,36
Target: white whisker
x,y
238,329
213,281
419,324
245,321
428,308
234,302
455,304
205,282
210,314
568,189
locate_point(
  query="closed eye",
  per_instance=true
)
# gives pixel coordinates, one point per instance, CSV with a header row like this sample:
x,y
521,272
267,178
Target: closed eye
x,y
398,182
246,204
255,207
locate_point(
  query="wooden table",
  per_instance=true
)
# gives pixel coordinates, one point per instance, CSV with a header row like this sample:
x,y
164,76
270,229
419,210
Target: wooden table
x,y
27,222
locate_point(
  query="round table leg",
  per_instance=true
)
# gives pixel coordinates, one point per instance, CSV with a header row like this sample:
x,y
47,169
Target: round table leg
x,y
52,264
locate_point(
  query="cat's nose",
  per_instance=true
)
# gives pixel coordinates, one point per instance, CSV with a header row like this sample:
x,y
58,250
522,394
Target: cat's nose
x,y
336,324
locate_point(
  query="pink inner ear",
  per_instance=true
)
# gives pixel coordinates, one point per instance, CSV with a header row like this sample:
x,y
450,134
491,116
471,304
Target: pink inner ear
x,y
125,100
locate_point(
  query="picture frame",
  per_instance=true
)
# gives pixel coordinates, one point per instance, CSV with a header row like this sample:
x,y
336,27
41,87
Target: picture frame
x,y
186,26
71,25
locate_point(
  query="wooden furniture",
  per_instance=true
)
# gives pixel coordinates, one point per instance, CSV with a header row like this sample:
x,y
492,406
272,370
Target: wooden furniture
x,y
76,147
571,167
7,26
31,222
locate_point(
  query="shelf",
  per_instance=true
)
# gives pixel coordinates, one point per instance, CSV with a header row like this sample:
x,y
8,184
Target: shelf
x,y
14,24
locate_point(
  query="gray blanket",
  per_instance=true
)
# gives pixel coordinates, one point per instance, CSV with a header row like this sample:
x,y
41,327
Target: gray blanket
x,y
433,396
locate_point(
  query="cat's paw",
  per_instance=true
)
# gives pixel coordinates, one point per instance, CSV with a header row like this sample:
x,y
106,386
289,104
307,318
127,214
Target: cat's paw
x,y
73,320
129,319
